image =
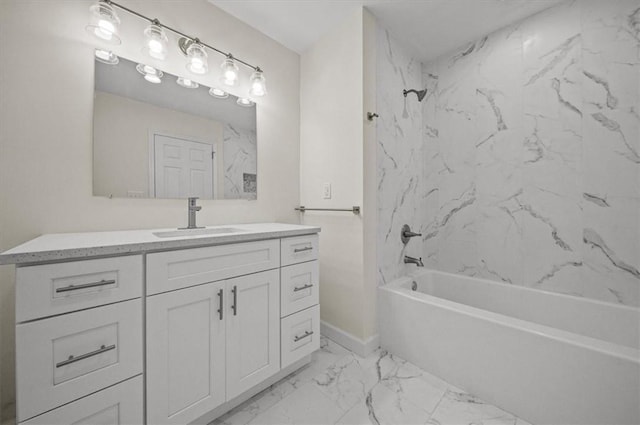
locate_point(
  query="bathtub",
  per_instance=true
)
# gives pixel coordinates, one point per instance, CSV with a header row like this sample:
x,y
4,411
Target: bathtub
x,y
548,358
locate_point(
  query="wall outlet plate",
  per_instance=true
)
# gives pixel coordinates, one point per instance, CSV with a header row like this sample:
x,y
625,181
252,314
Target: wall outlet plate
x,y
326,191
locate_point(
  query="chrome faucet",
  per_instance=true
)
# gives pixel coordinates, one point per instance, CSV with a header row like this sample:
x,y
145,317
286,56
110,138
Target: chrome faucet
x,y
193,208
411,260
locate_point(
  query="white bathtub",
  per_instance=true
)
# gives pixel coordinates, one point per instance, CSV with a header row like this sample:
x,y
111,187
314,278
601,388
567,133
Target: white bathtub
x,y
548,358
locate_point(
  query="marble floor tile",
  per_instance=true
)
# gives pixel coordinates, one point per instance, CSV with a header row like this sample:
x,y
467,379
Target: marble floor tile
x,y
462,408
307,405
384,407
339,387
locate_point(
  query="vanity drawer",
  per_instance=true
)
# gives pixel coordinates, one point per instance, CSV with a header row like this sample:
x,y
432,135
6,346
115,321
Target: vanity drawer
x,y
52,289
299,249
120,404
63,358
171,270
300,335
299,287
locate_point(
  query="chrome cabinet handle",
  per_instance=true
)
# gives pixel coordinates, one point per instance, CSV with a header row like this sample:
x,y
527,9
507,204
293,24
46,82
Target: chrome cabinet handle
x,y
306,248
86,285
306,334
234,306
73,359
220,295
302,288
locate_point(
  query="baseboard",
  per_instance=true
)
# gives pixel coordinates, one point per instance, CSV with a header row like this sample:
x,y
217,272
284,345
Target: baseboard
x,y
363,348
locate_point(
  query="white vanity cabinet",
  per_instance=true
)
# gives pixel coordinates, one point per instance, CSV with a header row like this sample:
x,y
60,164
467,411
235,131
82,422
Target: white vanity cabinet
x,y
210,343
299,309
164,332
79,332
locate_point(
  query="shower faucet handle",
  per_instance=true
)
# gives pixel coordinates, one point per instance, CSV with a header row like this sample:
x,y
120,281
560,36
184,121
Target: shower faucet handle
x,y
406,234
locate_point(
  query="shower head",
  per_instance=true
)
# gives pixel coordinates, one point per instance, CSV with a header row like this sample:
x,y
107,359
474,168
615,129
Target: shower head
x,y
420,93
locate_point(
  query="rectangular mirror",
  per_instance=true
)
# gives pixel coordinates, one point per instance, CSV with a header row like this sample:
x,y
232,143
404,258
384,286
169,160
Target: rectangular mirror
x,y
163,140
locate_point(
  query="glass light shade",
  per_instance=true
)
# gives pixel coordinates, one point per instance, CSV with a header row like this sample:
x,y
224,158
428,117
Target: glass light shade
x,y
244,102
258,84
106,56
149,73
197,59
156,43
104,23
187,83
219,93
229,72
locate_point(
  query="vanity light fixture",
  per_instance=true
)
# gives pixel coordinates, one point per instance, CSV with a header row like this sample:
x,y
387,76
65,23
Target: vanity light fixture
x,y
229,71
244,102
104,22
149,73
219,93
197,58
187,83
106,56
156,44
258,84
104,25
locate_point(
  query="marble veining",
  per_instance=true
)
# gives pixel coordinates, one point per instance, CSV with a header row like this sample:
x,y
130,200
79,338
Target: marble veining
x,y
240,157
340,387
530,154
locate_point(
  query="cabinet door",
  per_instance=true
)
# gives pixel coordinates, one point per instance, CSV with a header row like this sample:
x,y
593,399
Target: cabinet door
x,y
253,330
185,353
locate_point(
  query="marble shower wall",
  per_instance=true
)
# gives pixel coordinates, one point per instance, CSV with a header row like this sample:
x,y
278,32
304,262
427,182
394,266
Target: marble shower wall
x,y
240,162
530,153
399,155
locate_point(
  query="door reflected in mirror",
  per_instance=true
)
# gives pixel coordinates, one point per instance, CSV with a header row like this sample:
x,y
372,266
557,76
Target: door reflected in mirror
x,y
172,139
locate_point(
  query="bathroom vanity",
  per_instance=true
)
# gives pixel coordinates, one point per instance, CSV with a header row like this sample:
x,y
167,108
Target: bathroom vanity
x,y
160,327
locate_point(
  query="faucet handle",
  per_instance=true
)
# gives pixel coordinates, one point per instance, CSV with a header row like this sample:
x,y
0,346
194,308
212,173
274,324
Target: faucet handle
x,y
406,234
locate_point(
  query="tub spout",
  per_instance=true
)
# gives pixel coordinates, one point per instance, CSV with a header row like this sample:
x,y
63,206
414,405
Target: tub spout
x,y
411,260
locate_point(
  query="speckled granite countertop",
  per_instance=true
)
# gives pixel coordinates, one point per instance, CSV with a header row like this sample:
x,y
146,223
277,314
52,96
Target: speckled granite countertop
x,y
74,246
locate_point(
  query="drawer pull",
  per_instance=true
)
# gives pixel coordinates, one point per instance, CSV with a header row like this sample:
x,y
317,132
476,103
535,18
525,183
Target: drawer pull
x,y
306,334
306,248
302,288
220,294
86,285
234,306
72,359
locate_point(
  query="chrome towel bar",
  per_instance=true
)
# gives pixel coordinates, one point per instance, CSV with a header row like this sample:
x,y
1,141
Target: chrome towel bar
x,y
355,209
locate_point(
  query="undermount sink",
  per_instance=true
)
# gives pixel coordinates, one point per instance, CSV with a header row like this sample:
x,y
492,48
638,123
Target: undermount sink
x,y
197,232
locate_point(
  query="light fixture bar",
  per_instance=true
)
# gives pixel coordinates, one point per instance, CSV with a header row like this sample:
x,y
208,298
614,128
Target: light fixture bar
x,y
175,31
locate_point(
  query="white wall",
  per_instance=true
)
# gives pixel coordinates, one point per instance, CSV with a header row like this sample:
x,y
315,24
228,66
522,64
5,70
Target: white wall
x,y
331,135
338,146
46,95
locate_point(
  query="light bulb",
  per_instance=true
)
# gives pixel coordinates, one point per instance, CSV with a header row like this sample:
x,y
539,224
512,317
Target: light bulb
x,y
157,40
219,93
104,22
150,73
258,84
152,78
197,58
229,71
244,102
106,56
187,83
